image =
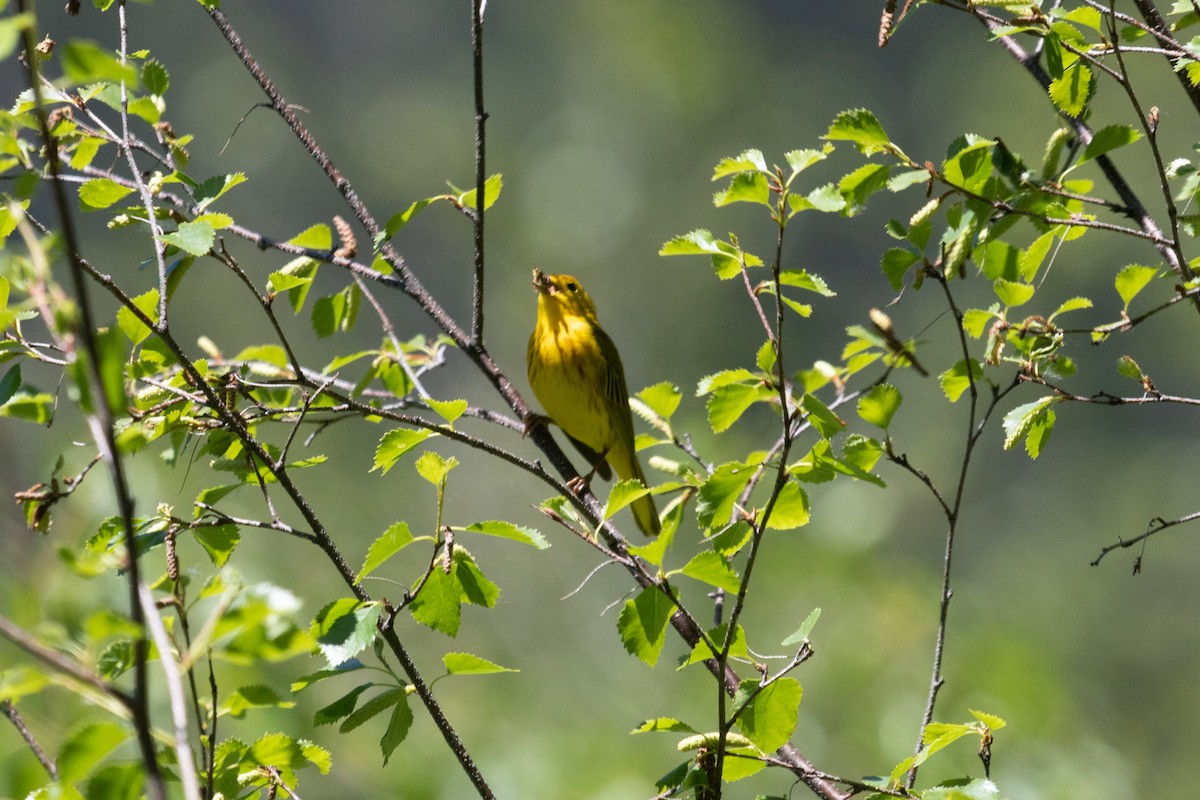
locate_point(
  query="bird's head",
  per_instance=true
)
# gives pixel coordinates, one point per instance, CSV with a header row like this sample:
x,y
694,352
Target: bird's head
x,y
562,295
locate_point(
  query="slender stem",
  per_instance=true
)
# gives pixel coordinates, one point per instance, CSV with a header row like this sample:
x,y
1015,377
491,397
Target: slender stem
x,y
101,423
480,170
9,710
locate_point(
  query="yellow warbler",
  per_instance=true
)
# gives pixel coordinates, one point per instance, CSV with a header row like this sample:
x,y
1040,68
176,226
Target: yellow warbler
x,y
577,376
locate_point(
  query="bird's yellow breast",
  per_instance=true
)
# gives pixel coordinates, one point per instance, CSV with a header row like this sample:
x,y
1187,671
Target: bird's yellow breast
x,y
566,365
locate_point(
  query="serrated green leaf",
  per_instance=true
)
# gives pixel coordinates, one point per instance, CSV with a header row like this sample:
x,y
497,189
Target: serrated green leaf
x,y
1011,293
791,508
133,328
438,604
468,664
336,313
1073,304
397,729
749,161
390,542
860,127
819,415
1107,139
806,280
340,708
1071,93
344,628
1132,279
800,160
702,652
879,405
507,530
449,410
1033,422
959,377
720,491
643,624
825,198
218,541
726,404
434,467
395,443
709,567
213,188
623,493
10,383
491,191
662,398
195,238
770,718
154,77
858,186
745,187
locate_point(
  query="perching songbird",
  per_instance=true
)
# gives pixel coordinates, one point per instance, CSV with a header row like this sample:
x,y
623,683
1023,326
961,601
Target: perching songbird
x,y
577,376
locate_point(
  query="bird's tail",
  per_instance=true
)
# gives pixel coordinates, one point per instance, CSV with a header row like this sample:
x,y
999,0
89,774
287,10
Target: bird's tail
x,y
644,511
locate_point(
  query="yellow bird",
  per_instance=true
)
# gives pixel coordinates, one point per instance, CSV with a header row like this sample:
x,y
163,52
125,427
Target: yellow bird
x,y
577,376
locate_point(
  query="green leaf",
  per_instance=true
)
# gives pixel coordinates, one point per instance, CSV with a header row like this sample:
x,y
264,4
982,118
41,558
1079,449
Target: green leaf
x,y
702,652
213,188
726,259
858,186
449,410
130,325
749,161
438,605
340,708
623,493
726,404
976,319
770,718
860,127
87,747
806,280
467,664
745,187
662,398
720,491
1132,279
345,628
895,263
117,782
1109,138
155,77
879,405
959,377
1071,93
491,191
218,541
800,160
507,530
827,423
372,708
397,729
85,61
245,698
336,313
825,198
663,725
100,193
10,383
791,508
643,624
395,443
402,218
278,750
710,567
1073,304
1129,368
390,542
1033,422
434,467
1011,293
801,634
192,237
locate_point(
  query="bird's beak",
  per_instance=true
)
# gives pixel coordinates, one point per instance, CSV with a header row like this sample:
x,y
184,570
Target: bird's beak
x,y
541,284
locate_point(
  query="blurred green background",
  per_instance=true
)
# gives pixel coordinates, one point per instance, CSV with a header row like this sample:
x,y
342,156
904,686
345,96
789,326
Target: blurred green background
x,y
606,119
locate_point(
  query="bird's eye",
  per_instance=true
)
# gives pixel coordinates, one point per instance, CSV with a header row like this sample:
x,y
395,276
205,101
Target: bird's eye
x,y
572,286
